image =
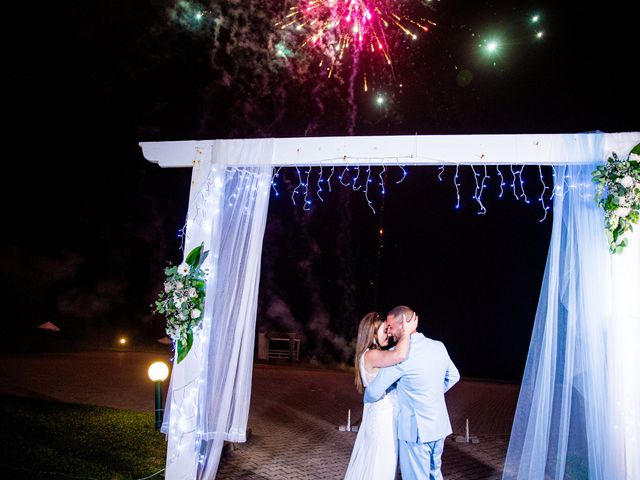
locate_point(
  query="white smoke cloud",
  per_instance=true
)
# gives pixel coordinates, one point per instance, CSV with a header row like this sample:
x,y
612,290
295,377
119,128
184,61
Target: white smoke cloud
x,y
280,314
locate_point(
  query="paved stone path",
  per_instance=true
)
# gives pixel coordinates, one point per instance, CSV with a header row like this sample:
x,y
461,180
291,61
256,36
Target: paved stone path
x,y
105,378
294,415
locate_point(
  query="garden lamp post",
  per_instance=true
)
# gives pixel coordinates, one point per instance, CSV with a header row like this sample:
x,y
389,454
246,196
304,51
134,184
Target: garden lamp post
x,y
158,373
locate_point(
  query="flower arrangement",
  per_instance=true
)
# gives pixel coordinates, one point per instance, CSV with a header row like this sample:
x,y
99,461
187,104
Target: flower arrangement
x,y
618,193
182,299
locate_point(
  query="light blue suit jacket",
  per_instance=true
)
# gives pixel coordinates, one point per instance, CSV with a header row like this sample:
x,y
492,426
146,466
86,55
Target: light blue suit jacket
x,y
422,379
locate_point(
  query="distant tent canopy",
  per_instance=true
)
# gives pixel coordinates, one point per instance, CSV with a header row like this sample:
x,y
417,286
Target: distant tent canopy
x,y
49,326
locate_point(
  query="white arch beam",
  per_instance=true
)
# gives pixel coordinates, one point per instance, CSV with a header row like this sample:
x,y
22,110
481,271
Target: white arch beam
x,y
534,149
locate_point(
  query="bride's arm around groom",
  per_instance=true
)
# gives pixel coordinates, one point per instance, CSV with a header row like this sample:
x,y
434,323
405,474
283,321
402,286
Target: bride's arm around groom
x,y
421,380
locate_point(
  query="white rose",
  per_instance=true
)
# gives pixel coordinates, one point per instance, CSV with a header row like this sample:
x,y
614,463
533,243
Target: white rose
x,y
178,301
623,211
168,287
184,269
623,201
195,313
192,292
181,316
634,156
626,181
179,286
173,333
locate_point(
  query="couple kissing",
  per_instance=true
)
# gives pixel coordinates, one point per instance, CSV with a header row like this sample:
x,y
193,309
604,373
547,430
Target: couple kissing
x,y
404,414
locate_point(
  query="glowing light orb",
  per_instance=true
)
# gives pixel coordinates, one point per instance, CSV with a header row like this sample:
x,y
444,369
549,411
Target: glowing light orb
x,y
535,18
380,100
539,34
158,372
492,46
122,341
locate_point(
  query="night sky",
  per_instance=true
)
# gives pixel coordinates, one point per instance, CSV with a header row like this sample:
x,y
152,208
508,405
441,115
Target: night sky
x,y
89,223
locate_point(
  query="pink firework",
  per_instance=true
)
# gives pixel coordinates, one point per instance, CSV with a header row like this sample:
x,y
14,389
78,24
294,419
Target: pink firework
x,y
337,26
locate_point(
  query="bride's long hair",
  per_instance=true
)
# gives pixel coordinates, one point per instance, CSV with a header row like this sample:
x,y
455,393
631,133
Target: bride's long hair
x,y
366,339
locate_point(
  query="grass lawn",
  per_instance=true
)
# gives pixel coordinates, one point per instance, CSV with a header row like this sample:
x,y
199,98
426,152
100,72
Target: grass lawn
x,y
42,439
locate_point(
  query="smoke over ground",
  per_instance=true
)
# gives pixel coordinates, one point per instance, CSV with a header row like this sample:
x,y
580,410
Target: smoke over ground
x,y
313,280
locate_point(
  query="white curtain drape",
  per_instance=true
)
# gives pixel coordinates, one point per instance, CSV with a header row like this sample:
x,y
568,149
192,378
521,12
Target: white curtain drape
x,y
577,414
211,388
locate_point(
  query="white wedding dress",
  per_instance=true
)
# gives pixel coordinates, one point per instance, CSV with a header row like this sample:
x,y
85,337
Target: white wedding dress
x,y
375,452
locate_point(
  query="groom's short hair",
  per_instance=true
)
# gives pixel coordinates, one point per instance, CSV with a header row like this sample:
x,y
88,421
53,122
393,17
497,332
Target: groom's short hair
x,y
399,311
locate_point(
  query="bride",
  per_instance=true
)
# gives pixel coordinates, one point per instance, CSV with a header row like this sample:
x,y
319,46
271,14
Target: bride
x,y
375,452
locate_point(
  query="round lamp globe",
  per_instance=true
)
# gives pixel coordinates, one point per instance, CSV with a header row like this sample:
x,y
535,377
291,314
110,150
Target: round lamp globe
x,y
158,372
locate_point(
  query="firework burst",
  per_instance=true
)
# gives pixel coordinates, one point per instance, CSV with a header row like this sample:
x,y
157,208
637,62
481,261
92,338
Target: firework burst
x,y
337,27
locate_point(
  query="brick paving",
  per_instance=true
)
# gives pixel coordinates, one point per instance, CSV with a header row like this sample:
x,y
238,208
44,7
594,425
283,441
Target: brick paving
x,y
294,415
104,378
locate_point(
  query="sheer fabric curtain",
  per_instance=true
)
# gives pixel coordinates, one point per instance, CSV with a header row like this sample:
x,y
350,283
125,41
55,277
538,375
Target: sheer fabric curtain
x,y
210,390
232,307
571,421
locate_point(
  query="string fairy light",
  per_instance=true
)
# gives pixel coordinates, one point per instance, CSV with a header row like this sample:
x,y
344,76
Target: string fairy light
x,y
485,176
482,187
502,184
521,181
359,177
513,183
319,186
556,187
276,174
381,175
455,182
295,190
307,202
182,233
404,172
541,198
355,180
366,190
477,196
329,179
341,176
475,179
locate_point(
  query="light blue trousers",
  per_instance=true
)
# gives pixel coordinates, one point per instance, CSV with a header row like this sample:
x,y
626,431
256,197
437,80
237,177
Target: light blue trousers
x,y
421,461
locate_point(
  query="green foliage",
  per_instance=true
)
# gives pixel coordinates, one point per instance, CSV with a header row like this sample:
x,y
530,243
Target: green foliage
x,y
618,194
182,300
184,345
196,257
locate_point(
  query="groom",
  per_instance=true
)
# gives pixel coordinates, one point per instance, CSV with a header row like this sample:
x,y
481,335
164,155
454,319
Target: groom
x,y
422,379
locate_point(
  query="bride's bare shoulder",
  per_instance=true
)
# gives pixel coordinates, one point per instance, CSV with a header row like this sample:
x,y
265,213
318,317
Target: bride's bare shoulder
x,y
371,356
